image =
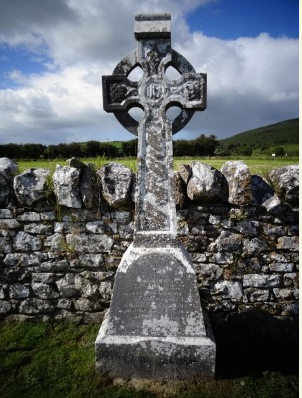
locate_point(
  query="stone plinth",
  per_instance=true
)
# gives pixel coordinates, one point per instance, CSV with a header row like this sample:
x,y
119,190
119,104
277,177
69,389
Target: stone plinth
x,y
155,327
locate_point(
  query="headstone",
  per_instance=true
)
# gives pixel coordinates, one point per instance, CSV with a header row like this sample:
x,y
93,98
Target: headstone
x,y
155,327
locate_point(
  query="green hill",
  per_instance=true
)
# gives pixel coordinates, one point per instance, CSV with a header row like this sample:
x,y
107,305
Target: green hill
x,y
265,139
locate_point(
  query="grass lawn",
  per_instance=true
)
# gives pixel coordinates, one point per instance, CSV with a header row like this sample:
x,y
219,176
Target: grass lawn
x,y
260,165
49,360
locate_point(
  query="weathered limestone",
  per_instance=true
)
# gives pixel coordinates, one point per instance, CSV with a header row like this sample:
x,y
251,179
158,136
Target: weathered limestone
x,y
8,169
239,180
206,184
116,181
285,180
155,329
66,181
31,186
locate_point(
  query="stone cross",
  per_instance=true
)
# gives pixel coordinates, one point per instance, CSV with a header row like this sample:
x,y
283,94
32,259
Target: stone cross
x,y
155,93
155,326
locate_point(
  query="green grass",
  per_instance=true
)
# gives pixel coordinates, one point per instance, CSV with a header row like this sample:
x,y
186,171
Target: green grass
x,y
260,165
49,360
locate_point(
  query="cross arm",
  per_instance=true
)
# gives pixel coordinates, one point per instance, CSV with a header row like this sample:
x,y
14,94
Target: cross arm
x,y
119,93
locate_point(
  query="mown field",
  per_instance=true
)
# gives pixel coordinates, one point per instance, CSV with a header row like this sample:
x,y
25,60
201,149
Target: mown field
x,y
258,165
49,360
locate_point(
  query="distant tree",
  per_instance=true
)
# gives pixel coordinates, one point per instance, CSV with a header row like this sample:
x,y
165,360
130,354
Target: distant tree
x,y
129,148
205,146
279,151
184,148
12,151
32,151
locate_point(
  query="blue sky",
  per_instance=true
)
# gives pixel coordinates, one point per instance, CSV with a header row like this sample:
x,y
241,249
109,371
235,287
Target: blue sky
x,y
230,19
54,52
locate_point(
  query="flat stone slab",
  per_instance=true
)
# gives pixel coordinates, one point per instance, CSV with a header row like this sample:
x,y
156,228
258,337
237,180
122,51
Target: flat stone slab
x,y
154,357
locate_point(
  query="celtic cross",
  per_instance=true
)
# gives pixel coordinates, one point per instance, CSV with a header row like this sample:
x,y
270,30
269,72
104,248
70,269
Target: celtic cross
x,y
155,325
154,93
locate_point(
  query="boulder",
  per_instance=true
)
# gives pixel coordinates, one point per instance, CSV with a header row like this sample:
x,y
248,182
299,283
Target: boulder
x,y
261,190
238,177
31,186
66,181
207,184
116,181
88,186
185,172
285,181
8,169
74,162
180,195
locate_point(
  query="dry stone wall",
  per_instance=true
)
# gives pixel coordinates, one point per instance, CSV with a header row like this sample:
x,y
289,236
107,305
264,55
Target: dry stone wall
x,y
63,236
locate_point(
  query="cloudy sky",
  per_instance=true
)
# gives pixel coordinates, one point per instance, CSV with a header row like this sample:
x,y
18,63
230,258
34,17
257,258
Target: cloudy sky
x,y
53,54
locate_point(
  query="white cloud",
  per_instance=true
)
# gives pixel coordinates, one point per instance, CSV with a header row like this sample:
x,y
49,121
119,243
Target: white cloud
x,y
251,81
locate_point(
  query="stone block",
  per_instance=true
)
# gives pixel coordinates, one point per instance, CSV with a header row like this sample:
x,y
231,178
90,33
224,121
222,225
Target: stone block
x,y
5,307
18,291
33,306
116,181
8,169
6,213
229,289
207,184
66,181
83,243
262,280
43,291
252,295
285,181
238,177
284,294
8,224
281,267
261,190
185,171
252,247
29,216
26,242
38,229
288,243
32,186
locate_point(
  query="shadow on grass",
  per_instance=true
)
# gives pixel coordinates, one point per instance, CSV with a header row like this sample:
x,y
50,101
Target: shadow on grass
x,y
253,343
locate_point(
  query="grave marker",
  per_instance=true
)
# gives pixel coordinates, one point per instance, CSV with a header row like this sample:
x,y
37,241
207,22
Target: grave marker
x,y
155,326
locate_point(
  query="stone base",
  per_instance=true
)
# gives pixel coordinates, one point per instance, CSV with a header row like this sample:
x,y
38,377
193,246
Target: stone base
x,y
154,357
155,328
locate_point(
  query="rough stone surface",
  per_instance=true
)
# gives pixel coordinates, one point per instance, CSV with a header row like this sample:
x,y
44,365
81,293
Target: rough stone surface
x,y
180,195
285,181
31,186
261,190
206,184
239,181
8,169
88,186
116,181
185,172
66,181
